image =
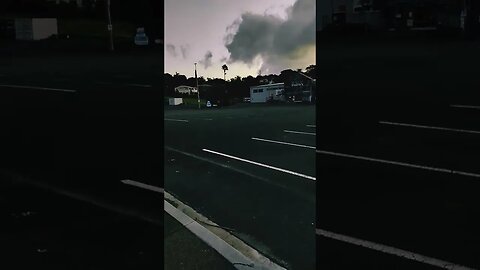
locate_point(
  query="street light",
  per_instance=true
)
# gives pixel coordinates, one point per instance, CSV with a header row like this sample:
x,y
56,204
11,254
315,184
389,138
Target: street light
x,y
198,89
109,26
332,6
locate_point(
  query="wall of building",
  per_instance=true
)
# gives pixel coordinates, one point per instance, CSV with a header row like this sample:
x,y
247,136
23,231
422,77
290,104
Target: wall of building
x,y
23,29
185,89
324,14
35,29
258,97
267,92
44,28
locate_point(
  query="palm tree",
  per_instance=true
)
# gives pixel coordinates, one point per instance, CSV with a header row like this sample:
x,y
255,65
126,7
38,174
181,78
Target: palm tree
x,y
225,68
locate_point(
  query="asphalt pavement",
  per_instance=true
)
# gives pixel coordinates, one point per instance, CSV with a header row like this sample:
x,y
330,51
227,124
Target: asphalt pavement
x,y
76,126
231,165
398,158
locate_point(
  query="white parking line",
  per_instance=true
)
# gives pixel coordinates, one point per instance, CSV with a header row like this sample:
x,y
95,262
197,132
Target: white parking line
x,y
237,170
139,85
142,185
261,164
404,164
38,88
430,127
466,107
126,84
104,83
312,126
176,120
122,76
285,143
392,250
80,196
299,132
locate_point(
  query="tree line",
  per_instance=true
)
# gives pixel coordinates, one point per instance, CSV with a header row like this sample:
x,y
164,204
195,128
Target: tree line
x,y
237,87
148,13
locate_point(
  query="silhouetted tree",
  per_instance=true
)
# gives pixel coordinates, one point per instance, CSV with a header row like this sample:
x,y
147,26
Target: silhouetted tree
x,y
238,87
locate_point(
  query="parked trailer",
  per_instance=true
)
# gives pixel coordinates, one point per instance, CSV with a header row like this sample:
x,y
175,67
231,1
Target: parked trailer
x,y
175,101
35,28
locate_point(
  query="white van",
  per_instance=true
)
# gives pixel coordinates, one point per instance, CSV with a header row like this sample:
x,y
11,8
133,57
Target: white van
x,y
141,39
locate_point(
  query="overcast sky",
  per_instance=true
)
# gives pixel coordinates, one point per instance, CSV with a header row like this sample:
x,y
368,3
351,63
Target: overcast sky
x,y
250,36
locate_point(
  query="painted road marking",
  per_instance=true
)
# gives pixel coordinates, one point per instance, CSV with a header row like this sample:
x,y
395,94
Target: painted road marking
x,y
105,83
261,164
142,185
38,88
430,127
120,76
87,198
139,85
285,143
466,107
176,120
392,250
126,84
404,164
299,132
229,167
312,126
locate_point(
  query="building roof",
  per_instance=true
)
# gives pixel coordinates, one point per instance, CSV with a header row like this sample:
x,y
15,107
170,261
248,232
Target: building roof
x,y
267,85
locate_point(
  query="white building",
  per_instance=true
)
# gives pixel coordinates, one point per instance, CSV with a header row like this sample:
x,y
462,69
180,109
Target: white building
x,y
184,89
78,2
266,92
35,28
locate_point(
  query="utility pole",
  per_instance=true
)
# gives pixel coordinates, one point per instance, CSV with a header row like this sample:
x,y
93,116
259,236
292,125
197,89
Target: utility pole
x,y
109,26
313,83
225,68
198,89
333,11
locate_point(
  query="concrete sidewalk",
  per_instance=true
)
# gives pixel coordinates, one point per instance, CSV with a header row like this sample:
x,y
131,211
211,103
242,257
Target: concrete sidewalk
x,y
185,251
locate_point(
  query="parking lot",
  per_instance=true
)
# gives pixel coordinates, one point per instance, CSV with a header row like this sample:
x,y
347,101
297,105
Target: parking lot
x,y
397,155
48,230
75,126
249,168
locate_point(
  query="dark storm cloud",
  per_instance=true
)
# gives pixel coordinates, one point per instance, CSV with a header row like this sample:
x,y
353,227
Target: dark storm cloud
x,y
277,41
171,50
207,60
254,35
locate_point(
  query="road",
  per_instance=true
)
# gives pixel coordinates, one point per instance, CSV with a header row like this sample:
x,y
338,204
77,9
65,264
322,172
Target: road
x,y
73,127
397,155
244,168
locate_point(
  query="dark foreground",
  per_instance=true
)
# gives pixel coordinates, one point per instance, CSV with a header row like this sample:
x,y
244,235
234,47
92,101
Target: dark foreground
x,y
415,81
81,144
43,230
